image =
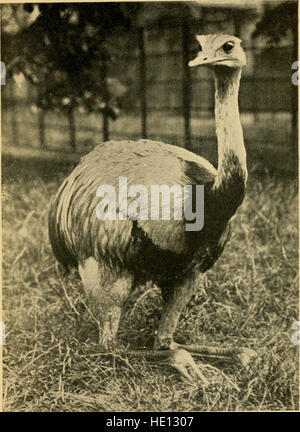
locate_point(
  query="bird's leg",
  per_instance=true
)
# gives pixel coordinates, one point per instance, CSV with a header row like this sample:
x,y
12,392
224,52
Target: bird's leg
x,y
109,326
174,301
167,351
106,294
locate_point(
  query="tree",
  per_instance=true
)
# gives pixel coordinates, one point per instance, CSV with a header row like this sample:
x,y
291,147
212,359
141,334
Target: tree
x,y
64,53
65,49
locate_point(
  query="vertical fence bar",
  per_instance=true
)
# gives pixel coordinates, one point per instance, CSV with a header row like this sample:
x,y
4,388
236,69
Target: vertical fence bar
x,y
186,87
253,79
294,96
237,19
41,122
14,123
105,118
143,82
72,128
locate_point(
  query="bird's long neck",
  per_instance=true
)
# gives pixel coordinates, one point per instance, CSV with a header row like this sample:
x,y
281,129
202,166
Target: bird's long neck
x,y
232,170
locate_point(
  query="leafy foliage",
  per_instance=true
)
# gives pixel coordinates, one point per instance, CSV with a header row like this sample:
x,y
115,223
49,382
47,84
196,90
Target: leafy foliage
x,y
278,21
65,49
64,53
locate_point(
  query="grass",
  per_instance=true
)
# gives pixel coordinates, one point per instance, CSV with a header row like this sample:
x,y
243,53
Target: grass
x,y
52,361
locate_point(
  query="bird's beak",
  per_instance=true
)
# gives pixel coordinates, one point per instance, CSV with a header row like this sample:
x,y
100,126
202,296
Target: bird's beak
x,y
199,60
202,59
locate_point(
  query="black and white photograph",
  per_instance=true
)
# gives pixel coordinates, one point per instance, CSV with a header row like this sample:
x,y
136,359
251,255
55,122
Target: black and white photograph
x,y
150,208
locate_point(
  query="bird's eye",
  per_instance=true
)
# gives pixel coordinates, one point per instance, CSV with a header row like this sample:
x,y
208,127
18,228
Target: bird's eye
x,y
200,48
227,47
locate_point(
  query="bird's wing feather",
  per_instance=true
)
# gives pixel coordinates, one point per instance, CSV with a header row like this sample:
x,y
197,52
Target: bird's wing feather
x,y
142,163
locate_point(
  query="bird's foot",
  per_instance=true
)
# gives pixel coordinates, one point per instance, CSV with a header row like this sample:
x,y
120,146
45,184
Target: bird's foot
x,y
178,358
241,355
183,362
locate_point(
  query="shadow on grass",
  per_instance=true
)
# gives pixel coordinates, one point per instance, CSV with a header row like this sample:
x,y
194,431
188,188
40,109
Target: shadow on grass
x,y
14,169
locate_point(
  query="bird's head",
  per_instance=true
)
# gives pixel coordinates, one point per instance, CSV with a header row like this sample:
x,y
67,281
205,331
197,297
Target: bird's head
x,y
219,50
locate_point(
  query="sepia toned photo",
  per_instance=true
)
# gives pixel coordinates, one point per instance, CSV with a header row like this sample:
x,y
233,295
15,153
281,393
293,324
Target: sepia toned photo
x,y
150,208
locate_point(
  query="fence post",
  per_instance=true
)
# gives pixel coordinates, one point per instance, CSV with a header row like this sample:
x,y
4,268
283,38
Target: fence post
x,y
105,119
294,97
143,82
14,123
72,128
41,121
186,87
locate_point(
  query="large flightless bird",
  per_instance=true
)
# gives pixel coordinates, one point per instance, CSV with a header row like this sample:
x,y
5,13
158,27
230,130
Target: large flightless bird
x,y
112,256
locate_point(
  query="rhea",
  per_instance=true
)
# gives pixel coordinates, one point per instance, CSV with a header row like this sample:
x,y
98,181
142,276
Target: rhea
x,y
114,256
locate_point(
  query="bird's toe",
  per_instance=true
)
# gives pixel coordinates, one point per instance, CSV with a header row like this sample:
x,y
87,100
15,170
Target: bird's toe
x,y
182,360
246,357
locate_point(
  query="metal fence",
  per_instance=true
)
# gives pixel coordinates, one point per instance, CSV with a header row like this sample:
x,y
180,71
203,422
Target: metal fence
x,y
165,99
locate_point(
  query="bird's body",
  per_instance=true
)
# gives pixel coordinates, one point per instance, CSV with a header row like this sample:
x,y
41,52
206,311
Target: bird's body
x,y
114,255
159,250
